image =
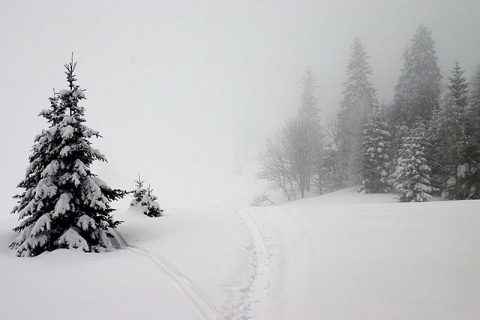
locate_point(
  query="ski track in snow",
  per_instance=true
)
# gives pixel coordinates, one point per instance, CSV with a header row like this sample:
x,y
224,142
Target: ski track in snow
x,y
253,299
194,295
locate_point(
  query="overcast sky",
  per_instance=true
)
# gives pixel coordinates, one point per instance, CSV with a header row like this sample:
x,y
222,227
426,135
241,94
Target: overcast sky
x,y
185,92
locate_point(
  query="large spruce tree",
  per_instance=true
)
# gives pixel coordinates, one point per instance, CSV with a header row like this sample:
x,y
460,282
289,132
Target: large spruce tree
x,y
417,92
359,97
451,139
64,205
473,151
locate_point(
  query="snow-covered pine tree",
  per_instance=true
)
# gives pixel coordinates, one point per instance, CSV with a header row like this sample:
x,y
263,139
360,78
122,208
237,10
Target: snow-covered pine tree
x,y
473,150
64,204
418,91
144,199
138,193
376,153
150,205
411,178
358,97
451,139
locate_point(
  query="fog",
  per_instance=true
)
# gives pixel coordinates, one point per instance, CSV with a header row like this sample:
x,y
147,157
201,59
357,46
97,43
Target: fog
x,y
185,92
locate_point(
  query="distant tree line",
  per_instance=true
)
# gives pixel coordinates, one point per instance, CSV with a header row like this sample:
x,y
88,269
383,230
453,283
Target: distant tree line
x,y
426,141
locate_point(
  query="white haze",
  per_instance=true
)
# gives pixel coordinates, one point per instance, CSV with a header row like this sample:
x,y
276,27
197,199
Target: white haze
x,y
186,92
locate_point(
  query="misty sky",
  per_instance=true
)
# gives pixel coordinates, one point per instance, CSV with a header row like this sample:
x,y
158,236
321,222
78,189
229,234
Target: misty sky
x,y
185,92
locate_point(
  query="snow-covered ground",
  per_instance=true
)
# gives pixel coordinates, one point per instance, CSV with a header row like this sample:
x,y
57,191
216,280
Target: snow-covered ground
x,y
339,256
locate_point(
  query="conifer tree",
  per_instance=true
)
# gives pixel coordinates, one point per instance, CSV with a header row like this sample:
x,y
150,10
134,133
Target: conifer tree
x,y
309,131
308,108
332,167
376,153
145,199
328,178
358,97
473,150
150,204
451,139
417,92
474,97
138,193
458,87
411,178
64,205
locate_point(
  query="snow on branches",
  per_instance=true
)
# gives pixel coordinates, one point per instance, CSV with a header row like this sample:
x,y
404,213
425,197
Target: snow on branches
x,y
411,178
64,205
143,198
376,153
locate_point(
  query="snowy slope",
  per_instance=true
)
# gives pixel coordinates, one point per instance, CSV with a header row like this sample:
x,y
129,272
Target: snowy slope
x,y
363,260
339,256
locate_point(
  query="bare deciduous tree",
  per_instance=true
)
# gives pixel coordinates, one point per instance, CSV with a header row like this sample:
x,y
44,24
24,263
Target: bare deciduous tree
x,y
291,157
275,165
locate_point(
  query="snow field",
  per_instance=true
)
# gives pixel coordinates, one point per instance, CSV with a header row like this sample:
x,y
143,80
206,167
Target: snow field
x,y
374,261
71,285
208,235
339,256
